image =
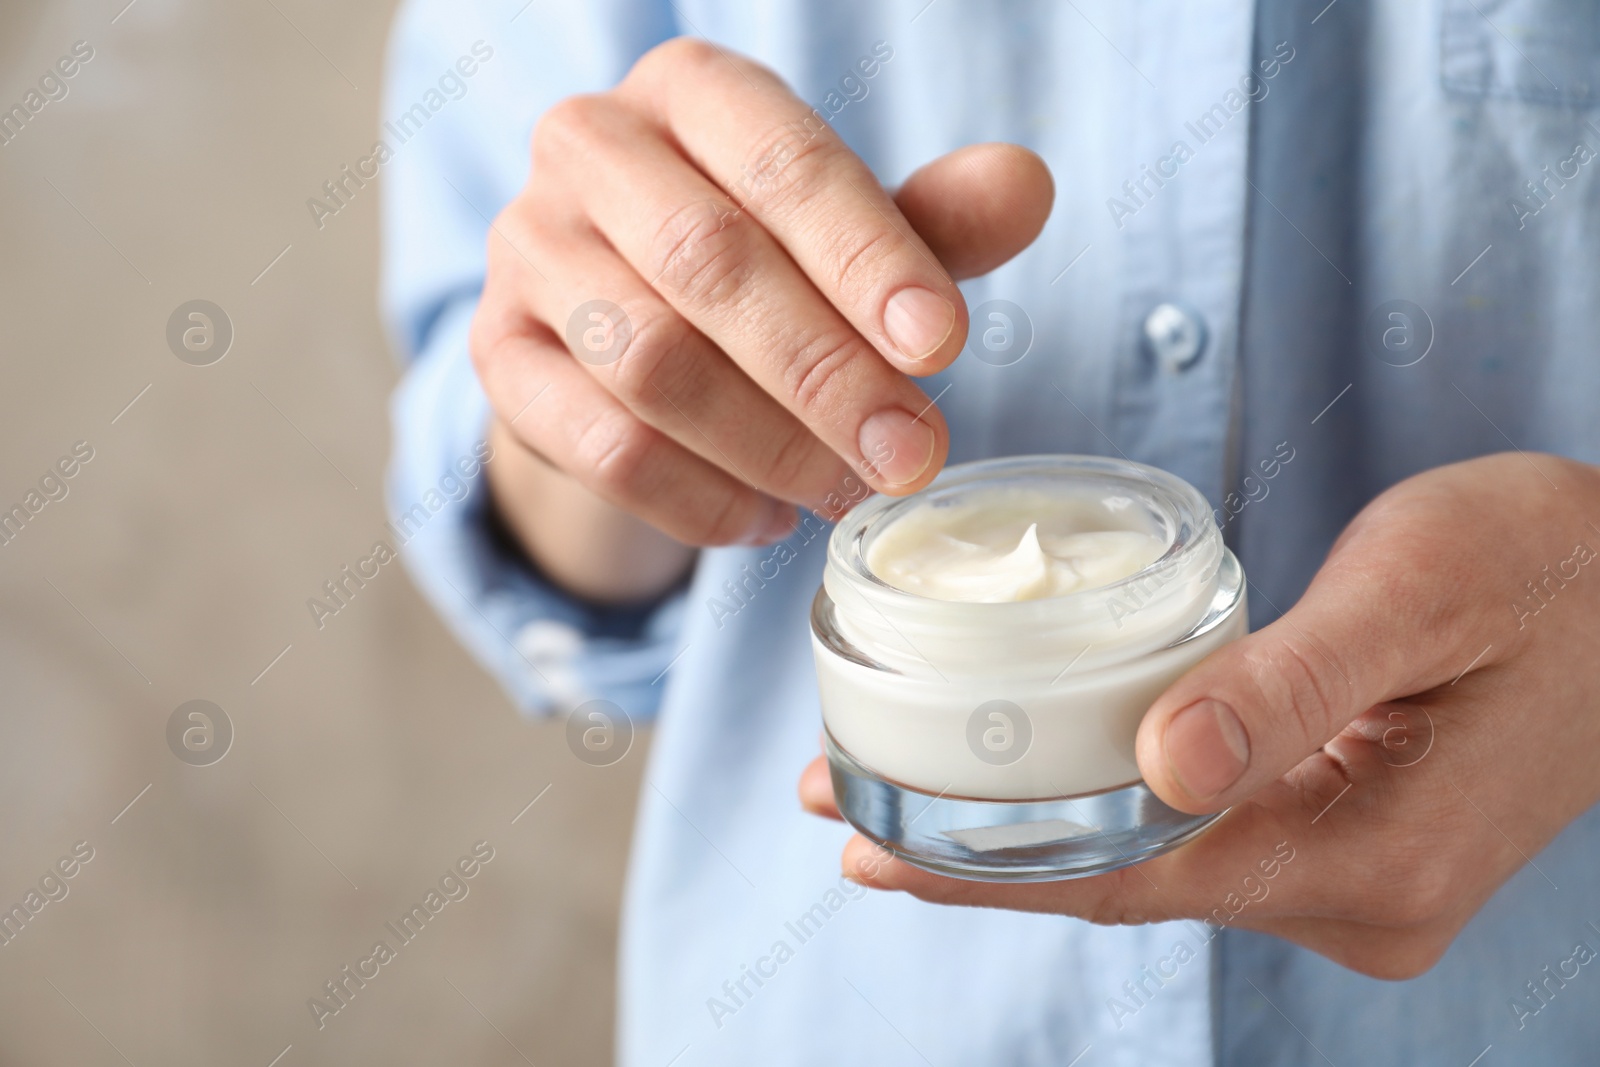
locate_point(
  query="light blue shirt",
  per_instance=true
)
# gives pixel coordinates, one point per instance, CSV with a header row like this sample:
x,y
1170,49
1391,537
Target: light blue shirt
x,y
1279,174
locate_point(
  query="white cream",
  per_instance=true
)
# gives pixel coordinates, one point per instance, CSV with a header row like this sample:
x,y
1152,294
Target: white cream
x,y
1006,550
1075,590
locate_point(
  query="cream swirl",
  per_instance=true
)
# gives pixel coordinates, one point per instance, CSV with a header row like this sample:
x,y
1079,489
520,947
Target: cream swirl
x,y
999,554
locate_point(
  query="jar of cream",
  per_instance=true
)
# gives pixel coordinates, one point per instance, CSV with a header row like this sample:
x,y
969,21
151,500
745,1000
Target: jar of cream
x,y
987,647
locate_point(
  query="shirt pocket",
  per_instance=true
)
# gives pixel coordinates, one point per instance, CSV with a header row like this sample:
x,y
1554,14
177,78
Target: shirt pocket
x,y
1544,51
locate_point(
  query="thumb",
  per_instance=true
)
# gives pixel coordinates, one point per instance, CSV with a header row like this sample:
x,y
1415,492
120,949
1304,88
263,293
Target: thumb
x,y
1371,628
978,206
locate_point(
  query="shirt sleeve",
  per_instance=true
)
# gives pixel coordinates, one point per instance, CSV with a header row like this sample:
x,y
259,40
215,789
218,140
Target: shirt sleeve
x,y
465,84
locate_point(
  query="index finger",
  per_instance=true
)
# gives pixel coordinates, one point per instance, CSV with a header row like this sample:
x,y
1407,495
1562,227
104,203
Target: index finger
x,y
777,159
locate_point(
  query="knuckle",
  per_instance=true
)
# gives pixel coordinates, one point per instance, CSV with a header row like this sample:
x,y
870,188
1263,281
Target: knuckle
x,y
788,166
616,457
676,55
819,371
566,126
702,253
613,453
490,347
511,236
858,262
1293,676
687,56
656,354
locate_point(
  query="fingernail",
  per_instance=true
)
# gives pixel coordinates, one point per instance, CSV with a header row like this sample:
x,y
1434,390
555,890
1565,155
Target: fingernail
x,y
897,445
1207,748
918,320
773,525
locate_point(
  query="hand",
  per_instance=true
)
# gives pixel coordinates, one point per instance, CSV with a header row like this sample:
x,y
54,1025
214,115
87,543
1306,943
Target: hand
x,y
1393,748
775,297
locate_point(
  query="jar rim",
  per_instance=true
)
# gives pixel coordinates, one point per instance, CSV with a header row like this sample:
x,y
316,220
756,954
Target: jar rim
x,y
1188,518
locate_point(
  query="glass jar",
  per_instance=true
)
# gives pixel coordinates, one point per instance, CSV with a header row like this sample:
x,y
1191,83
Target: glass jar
x,y
995,741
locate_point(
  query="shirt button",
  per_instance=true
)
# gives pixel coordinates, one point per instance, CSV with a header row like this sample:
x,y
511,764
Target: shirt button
x,y
1176,337
552,649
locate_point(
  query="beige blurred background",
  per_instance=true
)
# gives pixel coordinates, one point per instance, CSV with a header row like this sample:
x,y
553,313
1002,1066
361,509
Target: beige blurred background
x,y
372,754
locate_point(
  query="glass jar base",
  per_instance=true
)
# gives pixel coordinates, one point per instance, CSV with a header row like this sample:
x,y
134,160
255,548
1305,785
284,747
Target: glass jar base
x,y
1009,840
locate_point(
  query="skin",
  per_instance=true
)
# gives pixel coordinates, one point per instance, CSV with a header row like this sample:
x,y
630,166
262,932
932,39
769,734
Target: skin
x,y
780,303
1408,771
1410,733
